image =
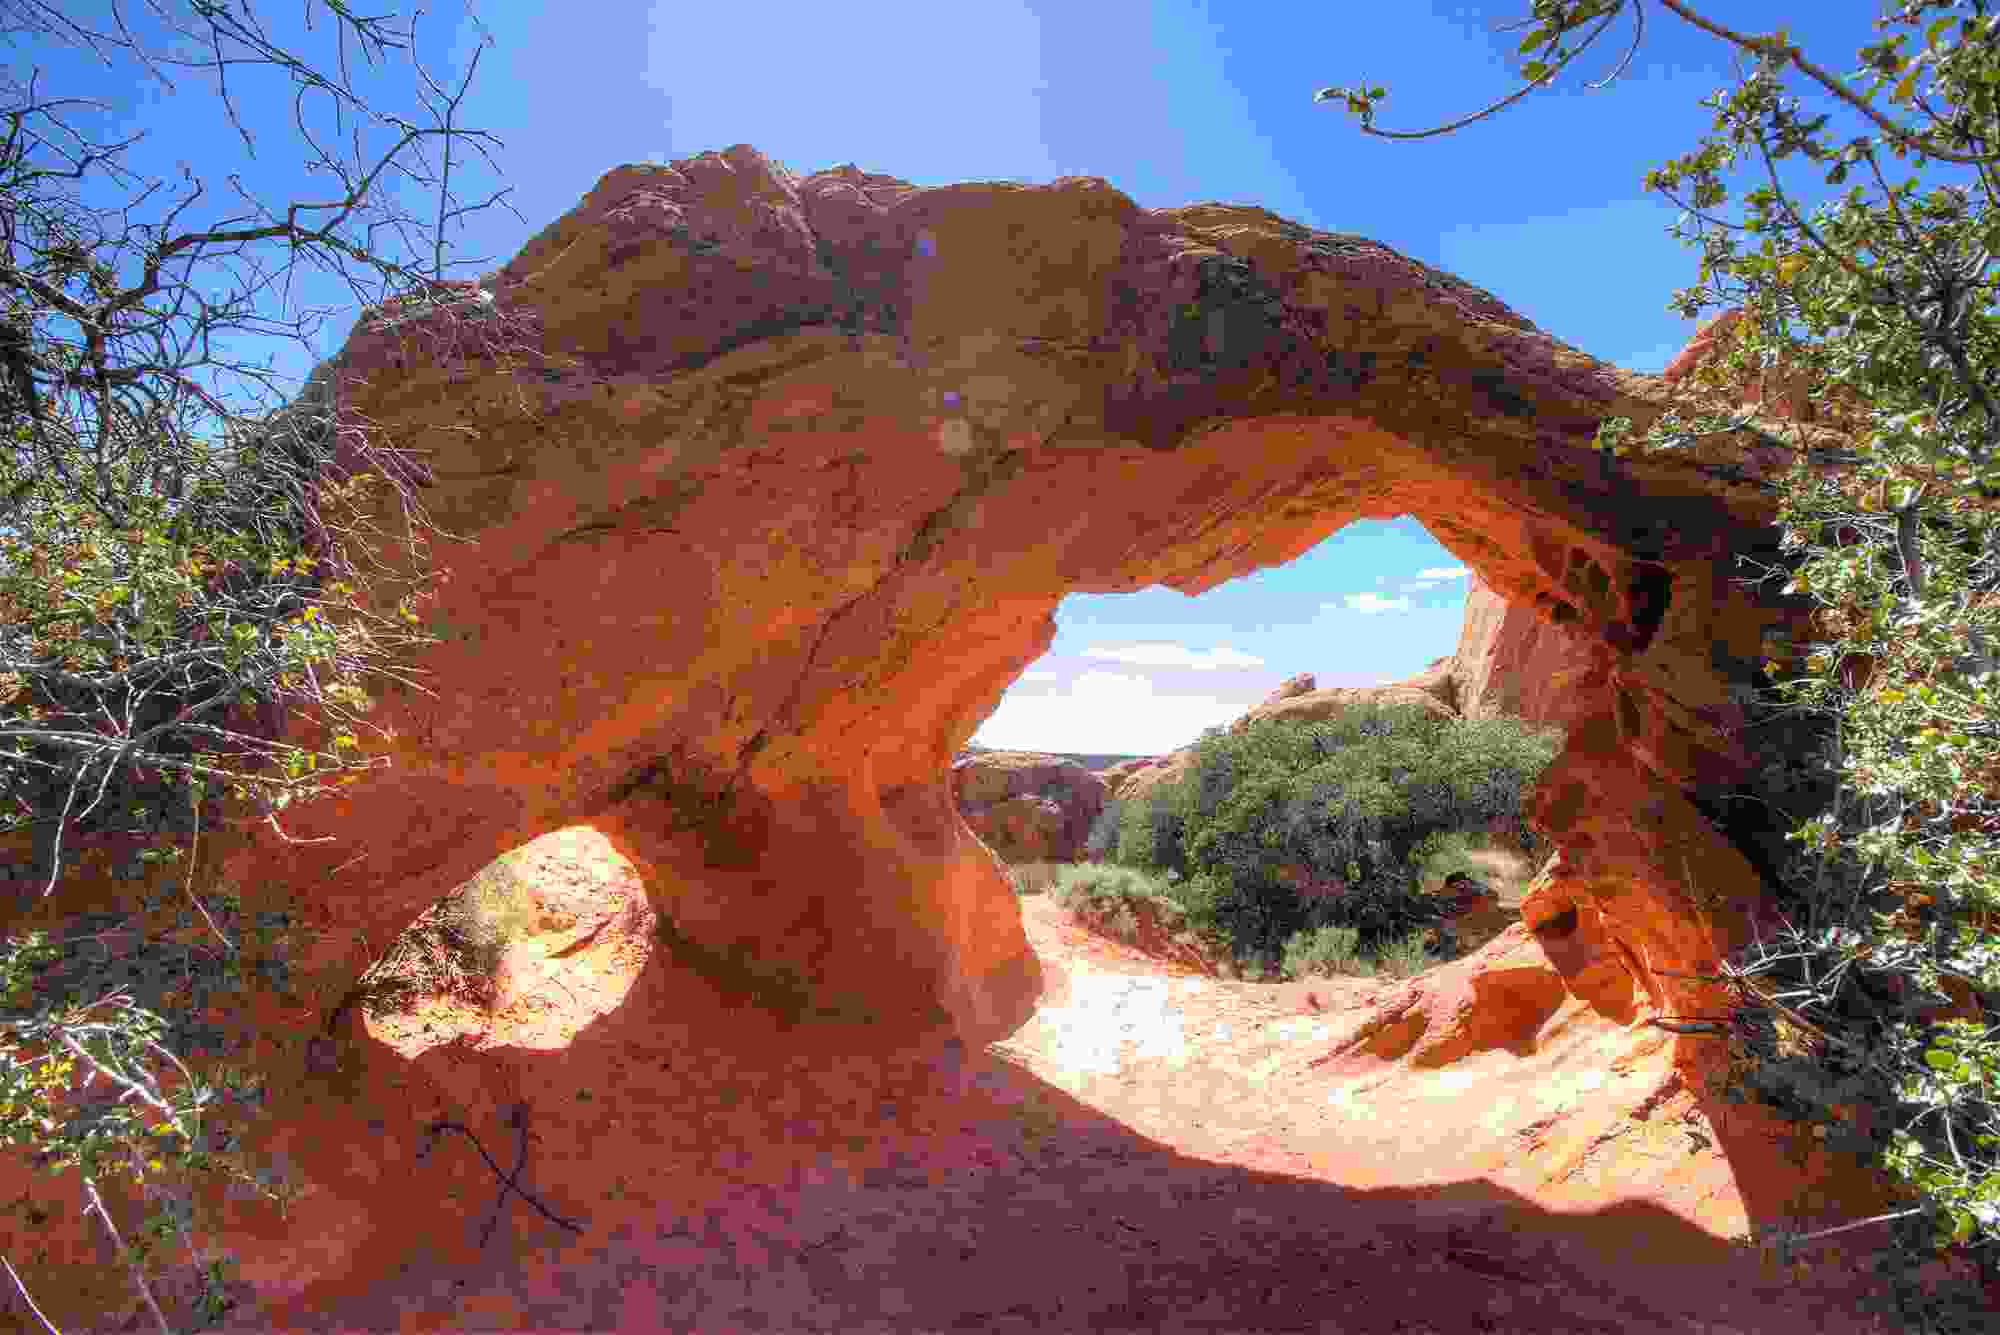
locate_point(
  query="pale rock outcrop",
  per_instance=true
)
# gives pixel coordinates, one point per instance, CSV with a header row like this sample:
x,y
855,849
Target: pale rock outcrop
x,y
1439,680
1291,686
1028,807
1116,777
1168,769
1314,706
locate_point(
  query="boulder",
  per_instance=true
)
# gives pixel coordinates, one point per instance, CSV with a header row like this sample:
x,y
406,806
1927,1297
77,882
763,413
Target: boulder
x,y
1170,768
1028,807
1115,777
739,549
1472,914
1299,685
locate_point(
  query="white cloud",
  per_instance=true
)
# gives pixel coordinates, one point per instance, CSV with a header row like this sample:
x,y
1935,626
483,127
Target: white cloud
x,y
1433,577
1038,675
1161,654
1367,603
1106,713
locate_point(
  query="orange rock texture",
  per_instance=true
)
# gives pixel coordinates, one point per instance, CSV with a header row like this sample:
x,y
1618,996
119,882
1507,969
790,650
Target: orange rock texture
x,y
1511,662
739,567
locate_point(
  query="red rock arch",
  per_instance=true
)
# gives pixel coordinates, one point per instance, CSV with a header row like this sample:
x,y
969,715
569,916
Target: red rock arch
x,y
813,463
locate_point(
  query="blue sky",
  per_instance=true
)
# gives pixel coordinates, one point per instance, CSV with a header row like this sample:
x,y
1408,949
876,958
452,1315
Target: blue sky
x,y
1173,101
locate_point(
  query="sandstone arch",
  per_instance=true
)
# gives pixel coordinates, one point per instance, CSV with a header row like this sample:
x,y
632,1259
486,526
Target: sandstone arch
x,y
811,465
813,462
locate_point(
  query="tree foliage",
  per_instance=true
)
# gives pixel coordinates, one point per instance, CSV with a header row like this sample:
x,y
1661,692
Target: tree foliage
x,y
180,526
1289,826
1881,296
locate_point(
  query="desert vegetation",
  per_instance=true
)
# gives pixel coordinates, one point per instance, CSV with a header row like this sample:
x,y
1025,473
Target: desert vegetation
x,y
1293,849
1875,301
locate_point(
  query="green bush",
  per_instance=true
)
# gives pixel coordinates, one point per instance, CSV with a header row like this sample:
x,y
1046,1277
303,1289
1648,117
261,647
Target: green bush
x,y
1288,826
1149,831
1112,899
1407,956
1325,952
1102,841
1034,878
1441,853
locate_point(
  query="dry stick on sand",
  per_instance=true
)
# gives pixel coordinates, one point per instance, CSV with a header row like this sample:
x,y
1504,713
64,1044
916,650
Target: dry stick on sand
x,y
518,1119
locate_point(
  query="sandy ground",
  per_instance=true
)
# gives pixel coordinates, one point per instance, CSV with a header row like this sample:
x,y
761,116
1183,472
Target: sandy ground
x,y
1153,1151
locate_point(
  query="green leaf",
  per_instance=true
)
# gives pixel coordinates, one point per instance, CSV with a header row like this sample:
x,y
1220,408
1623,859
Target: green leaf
x,y
1539,37
1534,71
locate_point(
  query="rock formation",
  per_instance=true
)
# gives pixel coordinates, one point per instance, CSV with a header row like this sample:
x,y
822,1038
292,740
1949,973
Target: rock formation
x,y
740,564
1782,390
1440,679
1169,768
1511,662
1116,776
1028,807
1312,706
1299,685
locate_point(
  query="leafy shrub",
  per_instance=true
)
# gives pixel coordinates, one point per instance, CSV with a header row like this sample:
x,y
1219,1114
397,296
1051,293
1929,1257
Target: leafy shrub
x,y
1034,878
1103,838
1289,826
1325,952
1150,829
1112,900
1407,956
1438,854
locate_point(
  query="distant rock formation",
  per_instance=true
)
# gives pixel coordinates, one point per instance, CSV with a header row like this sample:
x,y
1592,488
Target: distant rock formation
x,y
1313,706
1508,662
1299,685
1028,807
1116,776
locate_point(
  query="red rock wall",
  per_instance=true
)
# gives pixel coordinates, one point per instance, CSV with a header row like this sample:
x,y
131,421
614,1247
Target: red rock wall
x,y
1511,662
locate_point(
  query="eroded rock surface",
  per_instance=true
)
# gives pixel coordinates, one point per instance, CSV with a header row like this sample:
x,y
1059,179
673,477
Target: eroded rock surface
x,y
751,551
1028,807
1116,776
1511,662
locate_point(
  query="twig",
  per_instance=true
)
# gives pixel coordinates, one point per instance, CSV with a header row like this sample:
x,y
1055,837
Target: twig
x,y
138,1275
507,1183
27,1298
1859,1223
518,1119
1703,1026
